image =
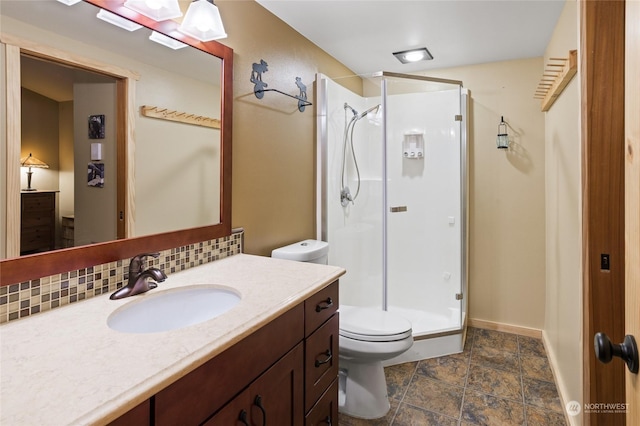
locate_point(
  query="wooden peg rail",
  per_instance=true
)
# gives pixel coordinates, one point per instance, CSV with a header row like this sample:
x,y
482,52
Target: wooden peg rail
x,y
182,117
557,74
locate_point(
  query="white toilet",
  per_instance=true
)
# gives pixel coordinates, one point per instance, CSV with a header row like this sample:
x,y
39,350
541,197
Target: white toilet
x,y
368,336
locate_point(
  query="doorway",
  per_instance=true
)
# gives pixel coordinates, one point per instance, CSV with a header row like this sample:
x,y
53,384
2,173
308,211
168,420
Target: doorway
x,y
122,133
62,120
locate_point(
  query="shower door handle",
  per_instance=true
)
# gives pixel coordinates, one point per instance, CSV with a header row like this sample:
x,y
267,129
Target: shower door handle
x,y
398,209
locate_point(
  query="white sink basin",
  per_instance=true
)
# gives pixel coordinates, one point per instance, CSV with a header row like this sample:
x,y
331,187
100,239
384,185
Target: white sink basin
x,y
172,309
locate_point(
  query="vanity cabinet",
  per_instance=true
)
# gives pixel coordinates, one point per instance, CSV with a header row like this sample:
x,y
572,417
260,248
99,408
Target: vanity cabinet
x,y
284,373
37,221
275,396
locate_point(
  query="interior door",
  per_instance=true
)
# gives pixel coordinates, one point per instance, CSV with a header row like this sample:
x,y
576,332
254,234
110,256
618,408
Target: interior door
x,y
632,197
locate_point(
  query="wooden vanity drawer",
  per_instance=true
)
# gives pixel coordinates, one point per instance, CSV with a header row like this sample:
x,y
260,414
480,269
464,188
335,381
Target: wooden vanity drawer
x,y
321,360
320,307
325,412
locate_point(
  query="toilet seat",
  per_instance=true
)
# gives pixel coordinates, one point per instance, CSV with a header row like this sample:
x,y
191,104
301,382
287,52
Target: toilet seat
x,y
372,325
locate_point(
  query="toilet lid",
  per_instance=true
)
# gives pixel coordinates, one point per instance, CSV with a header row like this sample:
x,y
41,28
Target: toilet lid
x,y
372,325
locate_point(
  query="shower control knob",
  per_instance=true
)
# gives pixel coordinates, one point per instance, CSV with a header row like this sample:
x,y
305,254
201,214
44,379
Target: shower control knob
x,y
627,350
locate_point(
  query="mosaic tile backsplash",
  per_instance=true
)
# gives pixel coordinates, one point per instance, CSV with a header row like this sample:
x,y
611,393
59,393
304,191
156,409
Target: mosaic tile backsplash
x,y
21,300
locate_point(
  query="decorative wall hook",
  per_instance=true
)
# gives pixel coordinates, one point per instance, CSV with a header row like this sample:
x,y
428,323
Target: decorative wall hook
x,y
257,69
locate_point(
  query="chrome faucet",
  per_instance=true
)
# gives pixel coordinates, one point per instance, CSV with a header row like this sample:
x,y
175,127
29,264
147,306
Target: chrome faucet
x,y
140,280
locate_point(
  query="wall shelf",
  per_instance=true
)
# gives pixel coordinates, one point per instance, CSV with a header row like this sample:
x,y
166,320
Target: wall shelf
x,y
557,74
182,117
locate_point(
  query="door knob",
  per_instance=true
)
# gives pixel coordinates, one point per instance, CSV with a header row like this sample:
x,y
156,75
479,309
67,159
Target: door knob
x,y
627,350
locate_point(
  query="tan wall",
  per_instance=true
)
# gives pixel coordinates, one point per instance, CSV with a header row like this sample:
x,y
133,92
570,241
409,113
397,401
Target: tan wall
x,y
507,219
40,138
563,317
273,143
273,160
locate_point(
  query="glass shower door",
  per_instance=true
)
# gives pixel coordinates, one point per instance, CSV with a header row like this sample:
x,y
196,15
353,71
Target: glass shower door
x,y
425,211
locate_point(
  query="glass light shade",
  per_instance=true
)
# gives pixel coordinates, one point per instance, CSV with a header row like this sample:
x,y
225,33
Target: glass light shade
x,y
166,41
69,2
158,10
502,141
31,161
203,22
118,21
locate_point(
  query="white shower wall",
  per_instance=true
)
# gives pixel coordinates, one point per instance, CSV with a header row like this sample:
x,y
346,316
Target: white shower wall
x,y
354,232
424,243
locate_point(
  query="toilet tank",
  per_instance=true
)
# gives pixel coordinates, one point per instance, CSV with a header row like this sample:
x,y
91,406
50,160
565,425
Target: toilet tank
x,y
312,251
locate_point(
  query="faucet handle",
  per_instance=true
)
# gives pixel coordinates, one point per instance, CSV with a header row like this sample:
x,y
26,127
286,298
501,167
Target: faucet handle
x,y
137,262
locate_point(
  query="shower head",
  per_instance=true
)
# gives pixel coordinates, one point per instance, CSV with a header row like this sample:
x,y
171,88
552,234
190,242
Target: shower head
x,y
372,109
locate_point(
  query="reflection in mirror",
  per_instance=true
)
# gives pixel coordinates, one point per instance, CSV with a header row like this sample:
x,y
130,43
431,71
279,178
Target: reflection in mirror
x,y
175,173
69,208
195,80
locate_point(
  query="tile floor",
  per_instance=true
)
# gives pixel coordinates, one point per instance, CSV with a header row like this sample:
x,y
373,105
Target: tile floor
x,y
499,379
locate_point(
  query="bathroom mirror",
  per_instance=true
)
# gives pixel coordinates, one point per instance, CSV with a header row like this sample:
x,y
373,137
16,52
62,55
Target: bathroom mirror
x,y
214,61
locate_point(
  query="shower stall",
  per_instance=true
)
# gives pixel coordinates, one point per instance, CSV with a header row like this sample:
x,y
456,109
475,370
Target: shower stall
x,y
392,201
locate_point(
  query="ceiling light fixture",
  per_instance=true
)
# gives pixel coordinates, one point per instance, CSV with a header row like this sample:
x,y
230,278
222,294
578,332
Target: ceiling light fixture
x,y
158,10
69,2
202,21
166,41
118,21
413,55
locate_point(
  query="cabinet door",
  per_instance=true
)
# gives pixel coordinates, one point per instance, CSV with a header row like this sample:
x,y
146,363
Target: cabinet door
x,y
277,394
196,396
274,398
137,416
325,412
235,413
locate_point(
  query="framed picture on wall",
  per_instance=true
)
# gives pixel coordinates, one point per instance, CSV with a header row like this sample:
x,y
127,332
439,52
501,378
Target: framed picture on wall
x,y
96,126
95,175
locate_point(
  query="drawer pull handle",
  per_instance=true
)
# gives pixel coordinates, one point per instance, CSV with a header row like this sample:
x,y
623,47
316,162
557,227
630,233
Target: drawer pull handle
x,y
243,418
328,420
325,304
258,403
329,356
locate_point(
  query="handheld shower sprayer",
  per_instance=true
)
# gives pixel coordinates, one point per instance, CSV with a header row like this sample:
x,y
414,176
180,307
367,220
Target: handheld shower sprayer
x,y
345,193
373,109
358,116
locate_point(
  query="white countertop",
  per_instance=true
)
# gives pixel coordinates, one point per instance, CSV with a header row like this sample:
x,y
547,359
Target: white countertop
x,y
66,366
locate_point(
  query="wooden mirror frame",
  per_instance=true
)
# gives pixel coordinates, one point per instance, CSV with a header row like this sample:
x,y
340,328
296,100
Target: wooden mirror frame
x,y
24,268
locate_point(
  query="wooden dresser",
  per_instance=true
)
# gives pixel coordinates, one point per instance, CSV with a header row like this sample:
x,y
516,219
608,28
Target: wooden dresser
x,y
37,221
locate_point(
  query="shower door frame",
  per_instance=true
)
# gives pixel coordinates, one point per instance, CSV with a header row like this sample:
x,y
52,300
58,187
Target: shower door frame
x,y
464,183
